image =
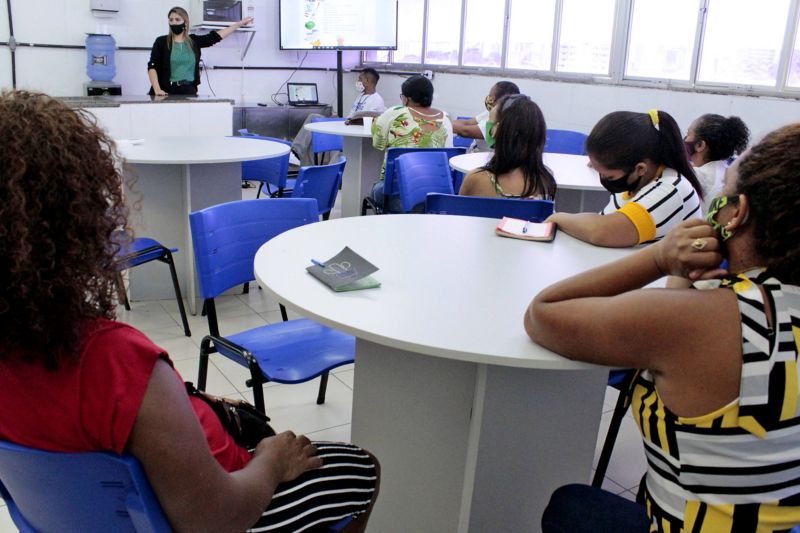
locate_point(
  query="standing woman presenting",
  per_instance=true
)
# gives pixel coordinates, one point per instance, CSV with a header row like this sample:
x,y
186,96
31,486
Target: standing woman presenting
x,y
174,66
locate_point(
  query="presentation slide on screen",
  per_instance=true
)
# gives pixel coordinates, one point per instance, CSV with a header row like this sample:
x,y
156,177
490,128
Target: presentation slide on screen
x,y
326,24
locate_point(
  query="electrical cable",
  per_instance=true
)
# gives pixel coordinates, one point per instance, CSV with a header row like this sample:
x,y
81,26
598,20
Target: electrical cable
x,y
208,81
278,92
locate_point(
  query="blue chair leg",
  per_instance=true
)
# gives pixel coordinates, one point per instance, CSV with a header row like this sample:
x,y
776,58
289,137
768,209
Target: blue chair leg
x,y
617,416
260,186
178,296
202,372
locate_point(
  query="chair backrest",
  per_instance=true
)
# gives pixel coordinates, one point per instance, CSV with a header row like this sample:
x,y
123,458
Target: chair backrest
x,y
226,237
476,206
565,142
420,173
462,142
273,170
77,492
326,142
321,182
392,154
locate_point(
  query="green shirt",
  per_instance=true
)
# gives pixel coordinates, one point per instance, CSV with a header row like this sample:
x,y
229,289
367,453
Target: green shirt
x,y
181,62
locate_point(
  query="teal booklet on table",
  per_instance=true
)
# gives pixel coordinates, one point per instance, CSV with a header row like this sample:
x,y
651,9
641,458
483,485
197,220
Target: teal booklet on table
x,y
346,271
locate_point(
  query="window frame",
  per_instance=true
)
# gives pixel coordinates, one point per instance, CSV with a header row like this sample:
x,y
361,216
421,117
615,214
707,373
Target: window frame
x,y
620,43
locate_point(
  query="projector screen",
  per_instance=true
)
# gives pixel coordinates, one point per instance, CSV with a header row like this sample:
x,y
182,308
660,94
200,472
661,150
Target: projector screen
x,y
338,24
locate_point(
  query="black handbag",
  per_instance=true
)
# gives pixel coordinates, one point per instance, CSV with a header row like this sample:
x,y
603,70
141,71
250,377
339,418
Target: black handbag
x,y
247,425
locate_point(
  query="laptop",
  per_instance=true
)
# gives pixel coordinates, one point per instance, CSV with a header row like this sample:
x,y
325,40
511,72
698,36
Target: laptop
x,y
301,94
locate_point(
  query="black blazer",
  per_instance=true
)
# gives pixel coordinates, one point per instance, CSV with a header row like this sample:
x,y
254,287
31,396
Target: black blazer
x,y
159,57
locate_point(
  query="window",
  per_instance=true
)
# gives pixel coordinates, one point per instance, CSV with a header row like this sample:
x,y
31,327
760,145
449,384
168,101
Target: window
x,y
794,65
662,36
444,32
586,31
743,41
735,45
530,34
410,19
483,33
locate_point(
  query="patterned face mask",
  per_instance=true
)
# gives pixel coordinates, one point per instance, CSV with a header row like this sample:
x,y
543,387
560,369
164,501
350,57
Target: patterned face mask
x,y
489,103
711,217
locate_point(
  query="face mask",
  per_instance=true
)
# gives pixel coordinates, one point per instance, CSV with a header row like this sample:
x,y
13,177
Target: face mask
x,y
619,185
689,148
177,29
490,141
711,217
489,103
359,87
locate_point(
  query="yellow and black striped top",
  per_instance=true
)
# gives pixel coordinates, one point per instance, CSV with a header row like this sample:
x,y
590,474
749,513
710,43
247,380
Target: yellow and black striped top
x,y
736,469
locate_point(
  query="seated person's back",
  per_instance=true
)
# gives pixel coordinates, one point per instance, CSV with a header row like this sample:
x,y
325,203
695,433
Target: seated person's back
x,y
516,169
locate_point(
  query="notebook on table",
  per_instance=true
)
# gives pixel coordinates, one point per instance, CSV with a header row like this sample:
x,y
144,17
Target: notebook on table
x,y
302,94
522,229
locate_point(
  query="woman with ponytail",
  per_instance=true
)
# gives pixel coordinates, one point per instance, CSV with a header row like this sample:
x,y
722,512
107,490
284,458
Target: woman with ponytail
x,y
712,140
642,162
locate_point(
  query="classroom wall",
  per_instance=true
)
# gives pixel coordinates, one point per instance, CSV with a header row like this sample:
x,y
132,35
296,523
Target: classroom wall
x,y
578,106
138,23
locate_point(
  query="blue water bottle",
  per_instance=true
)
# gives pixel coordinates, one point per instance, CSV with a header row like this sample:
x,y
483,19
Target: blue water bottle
x,y
100,49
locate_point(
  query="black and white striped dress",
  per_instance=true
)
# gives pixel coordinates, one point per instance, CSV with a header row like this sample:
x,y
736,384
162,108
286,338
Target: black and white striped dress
x,y
342,487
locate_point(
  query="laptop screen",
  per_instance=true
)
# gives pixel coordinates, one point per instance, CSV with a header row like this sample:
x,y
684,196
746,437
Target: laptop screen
x,y
302,93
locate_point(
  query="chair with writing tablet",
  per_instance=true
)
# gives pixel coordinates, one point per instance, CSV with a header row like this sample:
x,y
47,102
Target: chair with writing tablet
x,y
476,206
565,142
226,238
321,182
272,172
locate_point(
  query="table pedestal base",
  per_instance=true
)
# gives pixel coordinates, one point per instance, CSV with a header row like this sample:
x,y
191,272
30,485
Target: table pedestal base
x,y
166,195
471,447
361,172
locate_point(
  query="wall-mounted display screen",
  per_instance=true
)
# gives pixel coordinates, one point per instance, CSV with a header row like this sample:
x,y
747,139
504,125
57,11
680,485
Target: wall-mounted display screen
x,y
338,24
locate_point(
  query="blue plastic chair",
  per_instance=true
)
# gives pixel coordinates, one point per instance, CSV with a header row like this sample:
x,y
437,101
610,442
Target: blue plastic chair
x,y
274,172
77,492
141,251
565,142
226,238
462,142
421,173
622,380
320,182
476,206
325,142
390,175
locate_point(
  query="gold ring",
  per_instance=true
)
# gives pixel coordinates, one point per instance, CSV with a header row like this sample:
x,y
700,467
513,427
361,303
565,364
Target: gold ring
x,y
699,244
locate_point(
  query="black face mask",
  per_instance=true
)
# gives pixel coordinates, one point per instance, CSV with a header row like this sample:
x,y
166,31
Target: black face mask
x,y
177,29
619,185
690,147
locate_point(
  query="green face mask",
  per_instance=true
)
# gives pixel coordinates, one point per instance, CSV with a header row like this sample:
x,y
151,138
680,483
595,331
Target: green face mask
x,y
488,133
711,217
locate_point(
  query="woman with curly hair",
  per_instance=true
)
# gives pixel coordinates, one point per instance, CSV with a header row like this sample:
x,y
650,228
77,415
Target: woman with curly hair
x,y
717,398
711,141
72,379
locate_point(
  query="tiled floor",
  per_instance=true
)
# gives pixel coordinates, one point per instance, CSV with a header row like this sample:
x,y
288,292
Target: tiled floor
x,y
293,406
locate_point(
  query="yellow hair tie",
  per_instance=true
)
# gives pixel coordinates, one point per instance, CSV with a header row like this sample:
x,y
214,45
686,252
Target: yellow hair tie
x,y
654,118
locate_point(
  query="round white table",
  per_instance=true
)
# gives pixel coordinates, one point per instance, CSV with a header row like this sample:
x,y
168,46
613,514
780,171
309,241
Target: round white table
x,y
175,176
570,171
363,162
474,424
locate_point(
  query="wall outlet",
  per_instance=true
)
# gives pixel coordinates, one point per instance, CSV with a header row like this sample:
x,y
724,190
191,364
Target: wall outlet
x,y
428,74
